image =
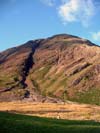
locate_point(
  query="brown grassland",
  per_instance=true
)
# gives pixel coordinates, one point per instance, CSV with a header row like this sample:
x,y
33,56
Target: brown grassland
x,y
69,110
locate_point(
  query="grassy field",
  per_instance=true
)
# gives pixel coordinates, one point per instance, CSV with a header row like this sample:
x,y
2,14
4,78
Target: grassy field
x,y
15,123
71,111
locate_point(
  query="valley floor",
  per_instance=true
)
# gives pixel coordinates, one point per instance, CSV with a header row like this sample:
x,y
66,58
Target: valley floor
x,y
70,110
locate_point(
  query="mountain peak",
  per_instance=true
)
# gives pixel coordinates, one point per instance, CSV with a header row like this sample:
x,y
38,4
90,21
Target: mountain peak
x,y
64,35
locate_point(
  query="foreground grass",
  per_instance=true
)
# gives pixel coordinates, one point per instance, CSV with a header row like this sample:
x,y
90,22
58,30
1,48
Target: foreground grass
x,y
15,123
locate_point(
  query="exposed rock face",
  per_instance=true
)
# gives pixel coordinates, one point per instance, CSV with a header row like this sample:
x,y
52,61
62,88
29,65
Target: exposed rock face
x,y
60,67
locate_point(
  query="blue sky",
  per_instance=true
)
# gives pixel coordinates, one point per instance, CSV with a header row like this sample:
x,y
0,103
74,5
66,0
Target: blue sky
x,y
23,20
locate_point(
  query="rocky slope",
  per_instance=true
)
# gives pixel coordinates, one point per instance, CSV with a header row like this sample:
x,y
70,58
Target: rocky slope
x,y
62,67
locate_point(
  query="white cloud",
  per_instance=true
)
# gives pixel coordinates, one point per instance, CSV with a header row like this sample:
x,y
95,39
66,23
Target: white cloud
x,y
77,11
48,2
96,36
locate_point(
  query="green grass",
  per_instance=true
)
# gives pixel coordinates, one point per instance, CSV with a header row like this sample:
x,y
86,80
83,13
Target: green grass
x,y
91,96
15,123
8,81
40,74
35,84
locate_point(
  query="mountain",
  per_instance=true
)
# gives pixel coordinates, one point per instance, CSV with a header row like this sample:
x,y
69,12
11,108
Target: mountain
x,y
62,67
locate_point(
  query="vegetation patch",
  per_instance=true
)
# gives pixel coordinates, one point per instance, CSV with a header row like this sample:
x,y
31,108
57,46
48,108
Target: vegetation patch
x,y
40,73
35,84
15,123
92,96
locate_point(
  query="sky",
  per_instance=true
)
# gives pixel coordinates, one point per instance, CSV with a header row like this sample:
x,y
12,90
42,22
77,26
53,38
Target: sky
x,y
24,20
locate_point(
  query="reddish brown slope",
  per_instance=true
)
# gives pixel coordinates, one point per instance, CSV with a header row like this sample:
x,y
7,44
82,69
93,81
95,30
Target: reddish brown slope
x,y
63,66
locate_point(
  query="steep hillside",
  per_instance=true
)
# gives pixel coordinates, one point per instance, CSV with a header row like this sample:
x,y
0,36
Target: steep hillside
x,y
62,67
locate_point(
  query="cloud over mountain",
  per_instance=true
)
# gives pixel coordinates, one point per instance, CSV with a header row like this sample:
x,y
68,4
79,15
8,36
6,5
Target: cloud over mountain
x,y
77,11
